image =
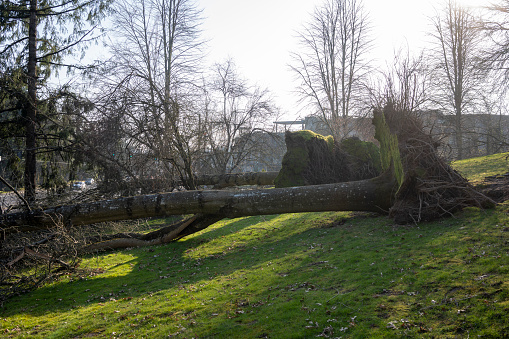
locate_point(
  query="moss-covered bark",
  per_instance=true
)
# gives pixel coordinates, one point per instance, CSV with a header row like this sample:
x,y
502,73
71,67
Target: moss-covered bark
x,y
312,159
389,150
365,157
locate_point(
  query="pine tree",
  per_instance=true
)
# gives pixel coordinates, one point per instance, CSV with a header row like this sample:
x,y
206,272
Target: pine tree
x,y
35,36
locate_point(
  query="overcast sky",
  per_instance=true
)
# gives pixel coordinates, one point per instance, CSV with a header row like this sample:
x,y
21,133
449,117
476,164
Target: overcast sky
x,y
260,35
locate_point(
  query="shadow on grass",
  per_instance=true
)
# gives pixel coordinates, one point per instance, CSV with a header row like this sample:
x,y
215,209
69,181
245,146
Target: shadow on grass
x,y
170,266
336,258
165,267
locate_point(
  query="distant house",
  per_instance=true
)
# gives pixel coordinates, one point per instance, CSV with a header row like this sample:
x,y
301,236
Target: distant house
x,y
267,151
483,134
254,151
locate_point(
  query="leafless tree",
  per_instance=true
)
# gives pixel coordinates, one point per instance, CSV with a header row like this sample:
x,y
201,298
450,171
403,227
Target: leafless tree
x,y
333,64
152,82
495,25
236,121
495,134
459,78
405,84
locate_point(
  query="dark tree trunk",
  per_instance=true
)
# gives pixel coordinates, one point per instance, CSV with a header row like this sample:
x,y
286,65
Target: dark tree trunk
x,y
31,107
459,135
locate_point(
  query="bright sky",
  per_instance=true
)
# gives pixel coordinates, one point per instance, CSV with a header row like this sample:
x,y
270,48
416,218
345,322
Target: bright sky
x,y
259,36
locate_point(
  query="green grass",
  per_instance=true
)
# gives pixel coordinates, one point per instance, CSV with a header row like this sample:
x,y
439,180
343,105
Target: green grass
x,y
476,169
288,276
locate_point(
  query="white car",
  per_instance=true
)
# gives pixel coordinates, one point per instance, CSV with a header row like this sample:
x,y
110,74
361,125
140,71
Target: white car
x,y
78,185
89,181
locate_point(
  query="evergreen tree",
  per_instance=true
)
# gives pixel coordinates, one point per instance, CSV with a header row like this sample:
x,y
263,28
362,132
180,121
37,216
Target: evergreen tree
x,y
35,36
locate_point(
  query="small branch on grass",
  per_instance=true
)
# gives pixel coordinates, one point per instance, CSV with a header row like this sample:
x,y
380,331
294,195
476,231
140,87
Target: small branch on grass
x,y
28,251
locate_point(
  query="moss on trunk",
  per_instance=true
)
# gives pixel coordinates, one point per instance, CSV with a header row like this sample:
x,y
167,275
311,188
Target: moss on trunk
x,y
428,188
312,159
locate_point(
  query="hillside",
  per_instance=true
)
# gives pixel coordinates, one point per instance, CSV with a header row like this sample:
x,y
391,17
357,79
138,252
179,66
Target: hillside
x,y
476,169
329,275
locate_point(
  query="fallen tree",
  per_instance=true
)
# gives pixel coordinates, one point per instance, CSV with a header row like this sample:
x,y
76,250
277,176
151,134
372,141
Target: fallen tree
x,y
416,185
365,195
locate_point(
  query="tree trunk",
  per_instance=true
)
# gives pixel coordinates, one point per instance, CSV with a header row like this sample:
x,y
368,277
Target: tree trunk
x,y
459,135
366,195
31,107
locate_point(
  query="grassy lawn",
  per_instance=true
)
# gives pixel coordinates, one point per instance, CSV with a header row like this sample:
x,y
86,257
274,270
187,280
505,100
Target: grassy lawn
x,y
288,276
476,169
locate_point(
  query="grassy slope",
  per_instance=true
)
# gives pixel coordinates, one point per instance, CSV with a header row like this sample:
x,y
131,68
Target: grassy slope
x,y
476,169
288,276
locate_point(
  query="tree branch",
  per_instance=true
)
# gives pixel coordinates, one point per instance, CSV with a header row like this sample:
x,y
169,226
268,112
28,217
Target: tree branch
x,y
27,205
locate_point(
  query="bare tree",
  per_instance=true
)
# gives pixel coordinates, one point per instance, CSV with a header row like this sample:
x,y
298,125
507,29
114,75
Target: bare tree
x,y
494,26
332,65
152,82
496,29
405,84
459,77
236,120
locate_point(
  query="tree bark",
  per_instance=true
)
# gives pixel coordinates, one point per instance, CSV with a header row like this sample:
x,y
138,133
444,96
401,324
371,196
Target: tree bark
x,y
31,107
366,195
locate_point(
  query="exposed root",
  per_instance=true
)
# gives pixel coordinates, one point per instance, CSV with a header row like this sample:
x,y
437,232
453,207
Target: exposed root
x,y
431,189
